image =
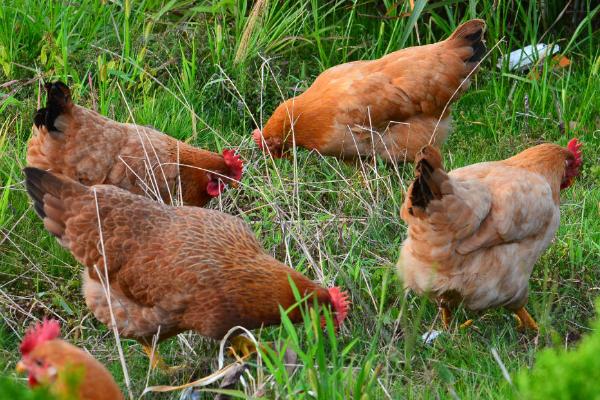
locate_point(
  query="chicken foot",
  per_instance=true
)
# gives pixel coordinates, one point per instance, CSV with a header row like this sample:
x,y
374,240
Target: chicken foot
x,y
447,317
241,347
525,320
156,360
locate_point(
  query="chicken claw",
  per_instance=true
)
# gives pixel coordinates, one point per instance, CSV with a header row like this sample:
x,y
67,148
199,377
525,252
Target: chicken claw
x,y
241,347
525,321
466,324
156,361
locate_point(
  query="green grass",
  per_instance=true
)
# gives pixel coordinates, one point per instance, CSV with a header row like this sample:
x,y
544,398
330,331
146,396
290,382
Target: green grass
x,y
209,72
563,374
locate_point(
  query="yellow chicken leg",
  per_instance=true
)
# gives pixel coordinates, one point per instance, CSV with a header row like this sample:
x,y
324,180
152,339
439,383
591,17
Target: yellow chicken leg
x,y
156,361
466,324
241,347
525,321
446,315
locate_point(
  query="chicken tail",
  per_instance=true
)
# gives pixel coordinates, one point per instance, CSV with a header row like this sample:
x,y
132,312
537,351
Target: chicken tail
x,y
58,104
470,35
429,177
48,191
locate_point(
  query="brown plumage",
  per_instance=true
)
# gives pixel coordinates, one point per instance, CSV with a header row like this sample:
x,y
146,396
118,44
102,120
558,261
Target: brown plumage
x,y
177,268
475,233
52,362
391,107
92,149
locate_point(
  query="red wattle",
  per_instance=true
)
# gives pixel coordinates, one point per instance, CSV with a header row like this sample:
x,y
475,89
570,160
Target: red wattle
x,y
215,187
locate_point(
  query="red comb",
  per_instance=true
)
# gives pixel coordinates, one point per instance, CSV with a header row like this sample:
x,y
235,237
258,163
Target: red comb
x,y
340,304
257,136
41,332
235,164
574,146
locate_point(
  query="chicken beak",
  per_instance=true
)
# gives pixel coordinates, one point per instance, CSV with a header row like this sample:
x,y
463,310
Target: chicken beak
x,y
20,368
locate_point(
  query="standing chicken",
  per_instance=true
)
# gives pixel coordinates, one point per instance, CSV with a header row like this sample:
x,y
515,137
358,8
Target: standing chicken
x,y
389,107
475,233
52,362
92,149
169,269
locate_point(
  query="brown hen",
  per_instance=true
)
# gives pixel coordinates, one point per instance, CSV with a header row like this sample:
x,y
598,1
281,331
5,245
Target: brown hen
x,y
68,371
92,149
389,107
169,269
475,233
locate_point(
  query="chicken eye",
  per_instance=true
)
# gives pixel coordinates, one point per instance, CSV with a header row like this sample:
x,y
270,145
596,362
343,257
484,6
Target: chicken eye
x,y
38,362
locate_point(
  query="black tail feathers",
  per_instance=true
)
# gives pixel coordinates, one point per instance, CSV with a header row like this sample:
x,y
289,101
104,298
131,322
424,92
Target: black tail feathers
x,y
473,33
57,103
478,46
36,182
421,193
426,186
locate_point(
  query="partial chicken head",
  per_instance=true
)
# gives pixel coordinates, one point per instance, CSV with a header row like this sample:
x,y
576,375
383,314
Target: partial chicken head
x,y
38,368
234,162
572,165
340,305
270,144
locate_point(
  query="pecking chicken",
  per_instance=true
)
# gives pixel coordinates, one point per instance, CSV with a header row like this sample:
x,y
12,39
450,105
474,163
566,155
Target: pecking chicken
x,y
68,371
92,149
389,107
169,269
475,233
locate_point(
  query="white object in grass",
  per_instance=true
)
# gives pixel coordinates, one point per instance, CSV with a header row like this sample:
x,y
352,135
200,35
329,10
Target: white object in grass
x,y
527,56
429,336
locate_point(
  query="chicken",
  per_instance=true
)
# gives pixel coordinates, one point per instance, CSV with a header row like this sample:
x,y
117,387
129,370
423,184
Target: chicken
x,y
475,233
389,107
169,269
68,371
92,149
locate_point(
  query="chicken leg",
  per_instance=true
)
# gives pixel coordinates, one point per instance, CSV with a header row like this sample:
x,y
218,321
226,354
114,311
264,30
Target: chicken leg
x,y
446,315
447,318
156,360
242,347
525,320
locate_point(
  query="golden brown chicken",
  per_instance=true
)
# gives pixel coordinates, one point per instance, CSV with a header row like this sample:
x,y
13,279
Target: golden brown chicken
x,y
169,269
92,149
389,107
68,371
475,233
